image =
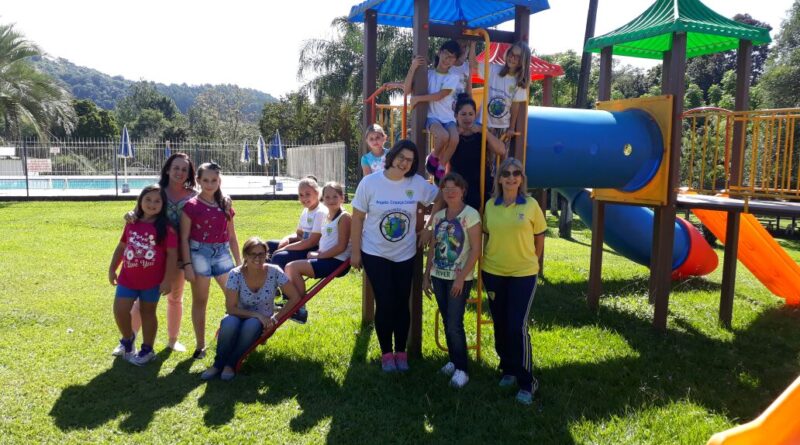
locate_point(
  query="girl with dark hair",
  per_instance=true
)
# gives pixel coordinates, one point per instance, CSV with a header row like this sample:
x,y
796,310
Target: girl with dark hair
x,y
442,87
208,238
177,181
147,251
384,240
466,160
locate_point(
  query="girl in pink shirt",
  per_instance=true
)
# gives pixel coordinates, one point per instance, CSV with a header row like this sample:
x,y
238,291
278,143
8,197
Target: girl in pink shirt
x,y
208,240
147,251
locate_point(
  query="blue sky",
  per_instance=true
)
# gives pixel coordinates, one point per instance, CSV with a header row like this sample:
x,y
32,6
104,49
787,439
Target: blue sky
x,y
255,44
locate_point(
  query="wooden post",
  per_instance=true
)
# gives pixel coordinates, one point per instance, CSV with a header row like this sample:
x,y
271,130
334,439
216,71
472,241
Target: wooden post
x,y
743,68
665,86
368,87
522,17
596,259
604,85
547,91
420,47
586,58
661,266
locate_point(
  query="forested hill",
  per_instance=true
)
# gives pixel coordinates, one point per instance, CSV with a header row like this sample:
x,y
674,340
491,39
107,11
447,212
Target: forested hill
x,y
105,90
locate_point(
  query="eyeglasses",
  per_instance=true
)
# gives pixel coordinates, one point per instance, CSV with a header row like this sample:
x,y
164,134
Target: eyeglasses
x,y
451,189
257,255
509,173
404,159
515,54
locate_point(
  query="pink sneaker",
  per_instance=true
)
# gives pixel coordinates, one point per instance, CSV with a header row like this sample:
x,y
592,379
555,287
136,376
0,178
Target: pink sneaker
x,y
401,361
387,362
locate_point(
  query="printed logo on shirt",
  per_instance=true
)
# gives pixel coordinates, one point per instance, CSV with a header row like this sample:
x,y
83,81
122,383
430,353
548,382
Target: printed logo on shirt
x,y
394,226
140,251
521,216
410,193
449,237
497,107
328,230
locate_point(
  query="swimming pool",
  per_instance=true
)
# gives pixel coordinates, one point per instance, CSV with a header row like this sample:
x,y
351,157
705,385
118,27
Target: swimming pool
x,y
79,183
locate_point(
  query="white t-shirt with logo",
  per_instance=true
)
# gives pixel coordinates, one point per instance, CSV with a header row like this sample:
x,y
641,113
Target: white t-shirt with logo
x,y
442,109
451,242
463,74
391,208
330,237
503,91
311,220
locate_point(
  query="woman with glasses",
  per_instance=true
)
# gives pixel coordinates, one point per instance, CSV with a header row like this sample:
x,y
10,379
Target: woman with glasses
x,y
384,240
249,301
515,227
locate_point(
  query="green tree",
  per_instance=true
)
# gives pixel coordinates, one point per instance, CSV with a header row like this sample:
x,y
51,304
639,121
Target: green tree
x,y
28,97
148,113
693,97
780,84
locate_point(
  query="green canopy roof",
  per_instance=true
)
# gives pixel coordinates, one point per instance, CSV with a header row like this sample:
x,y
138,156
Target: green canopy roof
x,y
650,35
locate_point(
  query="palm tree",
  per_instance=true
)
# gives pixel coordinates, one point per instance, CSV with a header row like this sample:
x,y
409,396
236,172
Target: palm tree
x,y
26,95
336,63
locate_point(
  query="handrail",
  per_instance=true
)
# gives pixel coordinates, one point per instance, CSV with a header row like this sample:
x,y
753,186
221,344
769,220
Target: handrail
x,y
386,87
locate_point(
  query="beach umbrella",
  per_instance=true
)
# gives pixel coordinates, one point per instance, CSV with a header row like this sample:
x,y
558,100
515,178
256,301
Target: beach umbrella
x,y
245,157
167,150
126,150
262,151
276,147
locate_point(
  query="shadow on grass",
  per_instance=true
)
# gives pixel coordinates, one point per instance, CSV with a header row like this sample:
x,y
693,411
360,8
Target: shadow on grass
x,y
116,392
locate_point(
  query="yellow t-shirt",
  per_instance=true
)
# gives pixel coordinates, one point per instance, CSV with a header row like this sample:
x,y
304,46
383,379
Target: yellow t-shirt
x,y
510,251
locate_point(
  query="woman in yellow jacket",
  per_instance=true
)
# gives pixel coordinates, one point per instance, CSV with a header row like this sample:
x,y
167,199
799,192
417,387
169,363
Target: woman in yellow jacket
x,y
515,226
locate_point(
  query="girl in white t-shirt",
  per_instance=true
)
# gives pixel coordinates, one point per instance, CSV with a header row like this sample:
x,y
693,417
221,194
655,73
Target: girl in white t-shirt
x,y
442,87
334,246
506,90
450,269
384,240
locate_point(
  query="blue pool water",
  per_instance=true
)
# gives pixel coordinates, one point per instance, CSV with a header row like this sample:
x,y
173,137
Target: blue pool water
x,y
73,183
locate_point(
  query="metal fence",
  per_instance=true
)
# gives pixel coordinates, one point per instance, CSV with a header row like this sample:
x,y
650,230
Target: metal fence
x,y
88,165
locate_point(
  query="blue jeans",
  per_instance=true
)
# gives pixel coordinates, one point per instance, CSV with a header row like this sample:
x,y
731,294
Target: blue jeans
x,y
452,309
235,336
511,305
211,259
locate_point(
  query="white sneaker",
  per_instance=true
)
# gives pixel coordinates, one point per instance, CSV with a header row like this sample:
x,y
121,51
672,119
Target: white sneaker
x,y
142,359
460,378
119,351
448,369
177,346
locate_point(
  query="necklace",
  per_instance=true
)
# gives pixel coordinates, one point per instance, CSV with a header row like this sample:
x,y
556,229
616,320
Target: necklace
x,y
210,203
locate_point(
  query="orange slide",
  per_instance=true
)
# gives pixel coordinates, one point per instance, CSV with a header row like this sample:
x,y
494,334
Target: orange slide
x,y
777,425
760,253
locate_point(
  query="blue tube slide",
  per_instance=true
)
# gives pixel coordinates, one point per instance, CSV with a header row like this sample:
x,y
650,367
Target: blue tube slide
x,y
592,148
629,229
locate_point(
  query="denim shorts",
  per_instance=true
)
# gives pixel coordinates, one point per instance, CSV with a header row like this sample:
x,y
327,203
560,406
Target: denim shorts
x,y
211,259
326,266
432,120
151,295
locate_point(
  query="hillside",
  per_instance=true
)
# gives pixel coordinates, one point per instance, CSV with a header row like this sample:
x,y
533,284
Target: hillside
x,y
105,90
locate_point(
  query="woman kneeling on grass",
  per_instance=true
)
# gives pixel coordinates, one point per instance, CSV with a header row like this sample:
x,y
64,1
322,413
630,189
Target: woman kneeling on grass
x,y
148,253
334,245
250,304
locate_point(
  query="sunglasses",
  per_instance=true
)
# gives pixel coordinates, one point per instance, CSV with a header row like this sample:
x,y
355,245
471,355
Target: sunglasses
x,y
509,173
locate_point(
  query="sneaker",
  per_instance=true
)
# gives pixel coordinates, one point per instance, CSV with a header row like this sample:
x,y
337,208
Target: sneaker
x,y
460,378
119,350
176,346
507,380
300,316
143,357
209,373
401,361
448,369
227,375
199,354
524,397
387,362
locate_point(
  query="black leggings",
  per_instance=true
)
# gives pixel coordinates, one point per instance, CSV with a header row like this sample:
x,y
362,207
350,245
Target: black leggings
x,y
391,282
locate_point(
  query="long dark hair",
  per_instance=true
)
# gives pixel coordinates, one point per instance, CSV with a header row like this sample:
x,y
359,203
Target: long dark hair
x,y
164,181
403,144
219,198
161,221
463,100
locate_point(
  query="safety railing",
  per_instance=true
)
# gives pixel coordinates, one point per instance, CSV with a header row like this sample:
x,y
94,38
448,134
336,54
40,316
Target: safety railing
x,y
387,115
767,150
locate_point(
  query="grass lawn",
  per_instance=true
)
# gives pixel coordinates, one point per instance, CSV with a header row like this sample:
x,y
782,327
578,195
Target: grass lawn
x,y
606,377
